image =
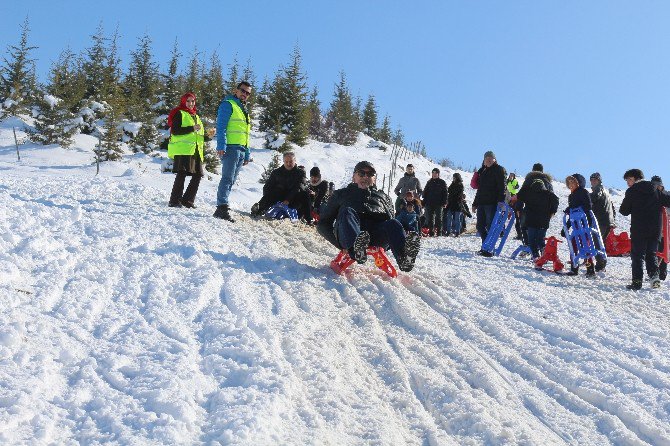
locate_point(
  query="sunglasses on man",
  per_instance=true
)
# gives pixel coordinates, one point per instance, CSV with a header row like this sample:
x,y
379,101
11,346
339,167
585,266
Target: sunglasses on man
x,y
367,173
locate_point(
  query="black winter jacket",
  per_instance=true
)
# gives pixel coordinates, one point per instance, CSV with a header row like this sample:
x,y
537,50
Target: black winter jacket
x,y
321,191
435,193
286,183
643,203
580,197
602,207
455,196
369,203
491,188
535,175
539,204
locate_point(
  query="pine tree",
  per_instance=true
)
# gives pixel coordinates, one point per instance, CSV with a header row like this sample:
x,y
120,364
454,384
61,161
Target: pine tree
x,y
249,76
233,76
294,113
194,76
370,117
172,81
148,137
110,140
274,164
95,66
384,133
358,113
66,81
213,91
316,126
341,120
54,124
269,98
399,137
212,160
142,80
18,82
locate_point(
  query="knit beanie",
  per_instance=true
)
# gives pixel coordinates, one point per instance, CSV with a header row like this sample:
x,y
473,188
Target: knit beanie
x,y
315,172
538,167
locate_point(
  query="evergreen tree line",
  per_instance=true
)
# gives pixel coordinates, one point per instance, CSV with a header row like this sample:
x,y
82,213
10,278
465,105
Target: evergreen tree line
x,y
90,93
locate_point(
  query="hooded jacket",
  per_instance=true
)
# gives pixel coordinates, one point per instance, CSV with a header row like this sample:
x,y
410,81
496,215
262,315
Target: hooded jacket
x,y
491,185
540,204
369,203
643,203
455,195
580,196
602,207
406,183
534,175
435,193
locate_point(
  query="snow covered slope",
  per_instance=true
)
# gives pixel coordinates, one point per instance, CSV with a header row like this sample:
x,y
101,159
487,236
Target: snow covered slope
x,y
125,321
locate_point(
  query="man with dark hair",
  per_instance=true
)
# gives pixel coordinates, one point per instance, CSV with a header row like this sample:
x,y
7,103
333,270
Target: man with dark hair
x,y
233,126
360,215
287,184
318,189
409,181
602,206
434,201
490,192
643,202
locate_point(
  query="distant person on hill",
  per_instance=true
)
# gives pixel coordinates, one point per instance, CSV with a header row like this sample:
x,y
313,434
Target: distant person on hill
x,y
233,126
602,205
490,192
286,184
454,209
643,202
318,189
662,264
408,182
360,215
186,147
434,201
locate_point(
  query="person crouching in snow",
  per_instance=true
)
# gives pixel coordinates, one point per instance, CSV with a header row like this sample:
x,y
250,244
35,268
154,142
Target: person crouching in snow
x,y
643,202
579,197
408,217
360,215
539,206
318,189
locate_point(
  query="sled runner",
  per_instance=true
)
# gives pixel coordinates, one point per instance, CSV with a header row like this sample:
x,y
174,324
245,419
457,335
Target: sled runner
x,y
581,237
617,245
523,250
664,252
343,261
279,211
503,222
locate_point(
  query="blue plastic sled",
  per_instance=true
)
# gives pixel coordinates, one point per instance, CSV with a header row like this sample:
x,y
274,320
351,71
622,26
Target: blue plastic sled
x,y
581,237
503,222
520,249
279,211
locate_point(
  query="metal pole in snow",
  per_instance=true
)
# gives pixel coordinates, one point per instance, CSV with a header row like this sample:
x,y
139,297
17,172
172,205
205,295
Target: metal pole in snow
x,y
16,143
97,157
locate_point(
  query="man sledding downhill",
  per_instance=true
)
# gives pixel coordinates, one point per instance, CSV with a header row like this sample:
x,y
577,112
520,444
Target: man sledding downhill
x,y
360,215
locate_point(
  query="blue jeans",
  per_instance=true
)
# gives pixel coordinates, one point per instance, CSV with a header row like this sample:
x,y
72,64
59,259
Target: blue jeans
x,y
231,162
536,240
382,233
485,215
452,222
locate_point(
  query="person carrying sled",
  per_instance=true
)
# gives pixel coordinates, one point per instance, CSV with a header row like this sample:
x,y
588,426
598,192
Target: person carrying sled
x,y
408,182
434,201
233,126
360,215
490,192
643,202
286,184
579,197
539,206
602,205
318,189
186,147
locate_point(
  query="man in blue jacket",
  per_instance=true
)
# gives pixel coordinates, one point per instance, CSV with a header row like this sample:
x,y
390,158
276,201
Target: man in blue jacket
x,y
233,126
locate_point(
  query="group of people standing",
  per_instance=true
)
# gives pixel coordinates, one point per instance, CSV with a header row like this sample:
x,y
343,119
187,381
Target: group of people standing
x,y
361,215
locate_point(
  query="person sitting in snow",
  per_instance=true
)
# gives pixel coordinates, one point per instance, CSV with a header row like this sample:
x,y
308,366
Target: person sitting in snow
x,y
286,184
408,217
318,189
360,215
643,202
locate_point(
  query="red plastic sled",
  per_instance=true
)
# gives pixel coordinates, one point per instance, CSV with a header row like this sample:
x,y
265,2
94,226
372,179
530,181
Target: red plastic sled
x,y
617,245
343,261
664,253
550,255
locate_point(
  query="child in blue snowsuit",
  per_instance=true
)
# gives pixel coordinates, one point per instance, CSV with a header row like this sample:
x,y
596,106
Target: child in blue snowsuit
x,y
409,218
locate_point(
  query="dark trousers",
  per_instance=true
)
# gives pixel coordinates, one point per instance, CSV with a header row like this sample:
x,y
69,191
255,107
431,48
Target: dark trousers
x,y
485,215
301,203
434,218
382,233
643,250
536,240
178,188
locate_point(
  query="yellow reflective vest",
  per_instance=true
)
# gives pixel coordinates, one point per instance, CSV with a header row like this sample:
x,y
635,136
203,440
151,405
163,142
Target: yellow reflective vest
x,y
513,186
237,132
187,144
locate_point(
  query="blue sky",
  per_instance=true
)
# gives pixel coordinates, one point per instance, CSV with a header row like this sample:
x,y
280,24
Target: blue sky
x,y
580,86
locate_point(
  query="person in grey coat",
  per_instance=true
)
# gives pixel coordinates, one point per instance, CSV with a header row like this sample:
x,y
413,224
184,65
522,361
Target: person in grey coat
x,y
408,182
602,205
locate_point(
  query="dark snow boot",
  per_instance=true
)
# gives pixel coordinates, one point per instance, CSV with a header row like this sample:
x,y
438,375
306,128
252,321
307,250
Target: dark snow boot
x,y
222,213
635,285
412,245
175,204
256,210
359,252
663,270
590,270
573,271
600,264
655,281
